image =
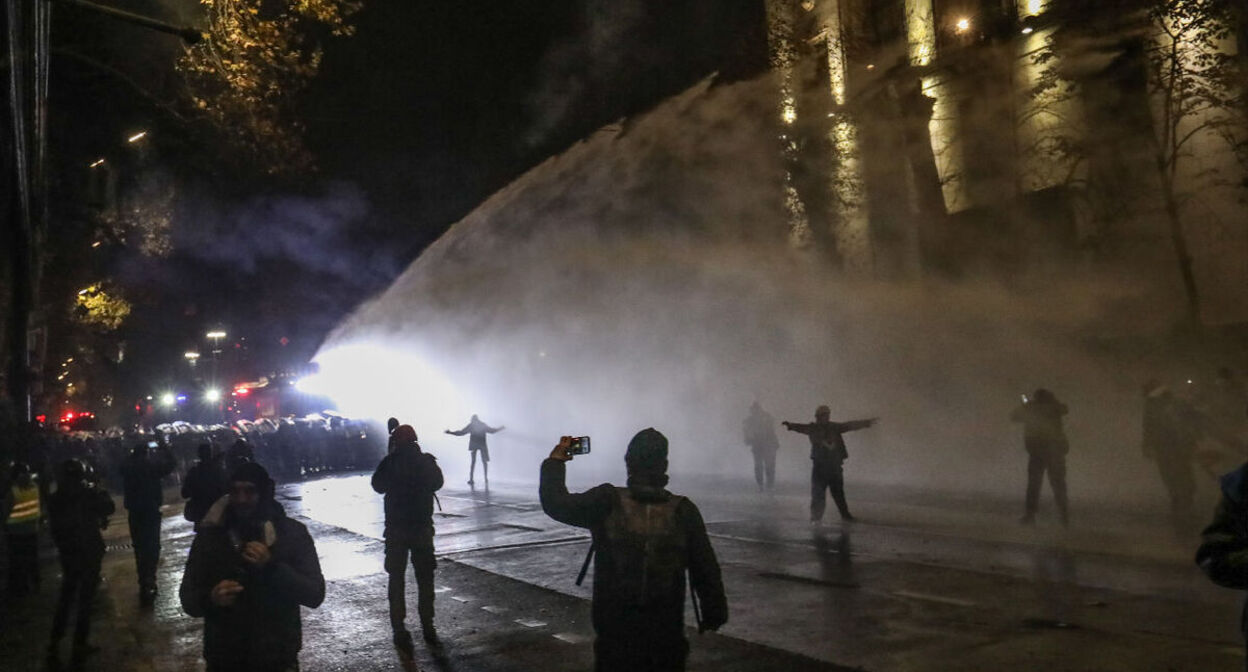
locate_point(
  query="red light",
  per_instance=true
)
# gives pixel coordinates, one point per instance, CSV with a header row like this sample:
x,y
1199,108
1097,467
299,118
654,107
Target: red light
x,y
41,418
242,391
69,416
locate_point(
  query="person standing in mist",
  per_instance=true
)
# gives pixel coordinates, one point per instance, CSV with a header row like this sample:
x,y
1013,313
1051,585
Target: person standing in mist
x,y
1046,445
759,430
476,431
645,540
409,477
1171,431
827,455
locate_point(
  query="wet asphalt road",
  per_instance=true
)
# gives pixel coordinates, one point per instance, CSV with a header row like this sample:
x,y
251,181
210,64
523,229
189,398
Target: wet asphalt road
x,y
920,584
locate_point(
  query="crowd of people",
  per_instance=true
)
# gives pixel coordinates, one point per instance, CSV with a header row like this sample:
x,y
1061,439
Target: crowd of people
x,y
251,568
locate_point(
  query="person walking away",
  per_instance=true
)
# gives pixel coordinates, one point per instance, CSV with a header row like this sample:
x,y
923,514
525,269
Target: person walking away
x,y
476,431
204,484
1045,441
78,511
1223,552
827,455
1170,435
759,430
644,539
249,570
142,474
409,477
21,530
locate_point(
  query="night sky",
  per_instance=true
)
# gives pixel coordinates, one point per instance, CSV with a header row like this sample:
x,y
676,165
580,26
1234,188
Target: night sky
x,y
421,115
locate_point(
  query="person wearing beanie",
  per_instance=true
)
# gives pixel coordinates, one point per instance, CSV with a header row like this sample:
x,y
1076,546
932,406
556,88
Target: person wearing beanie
x,y
827,455
644,541
408,477
250,569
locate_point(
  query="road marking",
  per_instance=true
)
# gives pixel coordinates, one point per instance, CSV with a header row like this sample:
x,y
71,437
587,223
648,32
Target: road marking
x,y
442,589
458,598
494,610
530,623
573,638
935,598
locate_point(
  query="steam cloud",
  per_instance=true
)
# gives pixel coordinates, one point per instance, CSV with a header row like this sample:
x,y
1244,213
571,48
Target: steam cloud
x,y
643,278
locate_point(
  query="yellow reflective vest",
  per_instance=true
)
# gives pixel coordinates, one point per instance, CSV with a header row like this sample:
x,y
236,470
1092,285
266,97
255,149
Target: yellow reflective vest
x,y
25,513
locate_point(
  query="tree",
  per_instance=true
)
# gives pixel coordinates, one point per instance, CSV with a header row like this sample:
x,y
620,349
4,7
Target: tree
x,y
246,77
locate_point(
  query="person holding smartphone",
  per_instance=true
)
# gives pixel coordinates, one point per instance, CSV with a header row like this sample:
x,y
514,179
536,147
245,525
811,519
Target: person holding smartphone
x,y
645,539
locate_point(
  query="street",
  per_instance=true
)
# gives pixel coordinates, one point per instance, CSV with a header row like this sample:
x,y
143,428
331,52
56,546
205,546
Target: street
x,y
916,585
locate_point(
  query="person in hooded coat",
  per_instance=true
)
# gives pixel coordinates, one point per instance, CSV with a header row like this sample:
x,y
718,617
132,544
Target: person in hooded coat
x,y
408,478
476,431
1223,552
249,571
644,540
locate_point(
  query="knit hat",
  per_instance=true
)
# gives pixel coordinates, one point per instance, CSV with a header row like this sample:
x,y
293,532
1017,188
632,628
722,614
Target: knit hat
x,y
251,472
647,451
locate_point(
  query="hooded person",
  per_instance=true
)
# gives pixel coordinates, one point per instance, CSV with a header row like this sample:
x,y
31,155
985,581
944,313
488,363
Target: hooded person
x,y
1223,552
645,539
409,477
79,510
476,431
249,570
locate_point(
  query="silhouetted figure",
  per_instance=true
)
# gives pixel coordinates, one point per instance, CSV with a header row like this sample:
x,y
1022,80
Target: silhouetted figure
x,y
237,454
204,484
759,431
827,454
476,431
21,530
142,473
645,539
1171,431
249,570
1223,552
1046,445
78,509
408,478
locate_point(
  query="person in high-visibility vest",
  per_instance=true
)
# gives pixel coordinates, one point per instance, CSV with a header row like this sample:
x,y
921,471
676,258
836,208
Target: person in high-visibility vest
x,y
21,529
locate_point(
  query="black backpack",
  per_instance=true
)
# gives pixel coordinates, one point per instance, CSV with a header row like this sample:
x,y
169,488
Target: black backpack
x,y
648,550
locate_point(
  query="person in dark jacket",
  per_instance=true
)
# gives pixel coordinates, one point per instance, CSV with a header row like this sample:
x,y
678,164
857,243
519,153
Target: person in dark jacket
x,y
204,484
827,455
408,478
1170,433
391,425
1223,552
78,509
142,473
759,430
249,571
644,540
476,431
1045,441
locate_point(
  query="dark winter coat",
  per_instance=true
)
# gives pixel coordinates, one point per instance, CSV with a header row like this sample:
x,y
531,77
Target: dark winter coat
x,y
142,476
1223,552
204,484
77,515
827,445
476,431
615,604
759,431
263,628
408,478
1043,433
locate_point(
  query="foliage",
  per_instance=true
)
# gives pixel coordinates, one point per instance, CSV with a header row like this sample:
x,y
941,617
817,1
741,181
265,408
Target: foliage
x,y
104,309
246,77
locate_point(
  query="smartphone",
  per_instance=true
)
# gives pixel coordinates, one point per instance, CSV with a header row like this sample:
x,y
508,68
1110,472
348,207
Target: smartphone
x,y
580,446
1025,399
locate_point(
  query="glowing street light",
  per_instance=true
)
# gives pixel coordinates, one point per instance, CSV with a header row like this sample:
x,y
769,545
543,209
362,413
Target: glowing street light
x,y
97,163
168,400
137,136
216,335
212,394
963,25
191,356
1028,30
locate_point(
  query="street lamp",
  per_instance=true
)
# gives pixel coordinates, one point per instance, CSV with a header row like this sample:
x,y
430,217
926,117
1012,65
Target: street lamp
x,y
963,25
168,400
213,394
137,136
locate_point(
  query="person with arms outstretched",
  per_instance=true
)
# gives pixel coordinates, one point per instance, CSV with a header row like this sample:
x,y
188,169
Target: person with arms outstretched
x,y
476,431
827,455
